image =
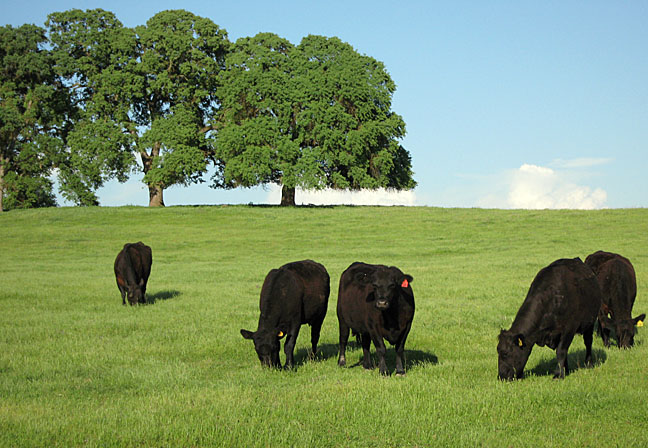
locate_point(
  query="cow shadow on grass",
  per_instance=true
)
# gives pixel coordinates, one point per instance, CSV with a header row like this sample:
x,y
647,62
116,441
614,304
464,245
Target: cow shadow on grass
x,y
327,351
575,361
161,295
413,358
324,352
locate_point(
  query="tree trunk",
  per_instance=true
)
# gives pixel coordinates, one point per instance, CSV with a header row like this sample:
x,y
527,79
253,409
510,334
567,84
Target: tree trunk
x,y
287,196
155,191
155,196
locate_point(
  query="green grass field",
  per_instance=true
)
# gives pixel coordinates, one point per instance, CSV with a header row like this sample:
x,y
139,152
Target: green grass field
x,y
79,369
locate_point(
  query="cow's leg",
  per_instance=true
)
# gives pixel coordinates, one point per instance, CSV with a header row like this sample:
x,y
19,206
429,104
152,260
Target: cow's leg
x,y
380,352
123,293
365,340
143,291
588,337
561,354
289,347
344,338
316,327
400,353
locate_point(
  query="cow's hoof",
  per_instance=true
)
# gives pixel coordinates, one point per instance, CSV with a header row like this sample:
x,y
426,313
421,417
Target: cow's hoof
x,y
400,374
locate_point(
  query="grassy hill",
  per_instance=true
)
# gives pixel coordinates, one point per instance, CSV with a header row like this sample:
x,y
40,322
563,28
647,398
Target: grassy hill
x,y
79,369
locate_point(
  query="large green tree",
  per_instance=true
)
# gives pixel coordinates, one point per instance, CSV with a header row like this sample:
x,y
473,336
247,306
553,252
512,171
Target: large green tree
x,y
148,91
313,116
33,114
180,57
94,53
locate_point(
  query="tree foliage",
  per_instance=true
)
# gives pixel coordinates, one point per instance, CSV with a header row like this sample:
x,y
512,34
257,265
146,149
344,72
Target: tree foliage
x,y
169,97
148,90
92,50
314,116
33,117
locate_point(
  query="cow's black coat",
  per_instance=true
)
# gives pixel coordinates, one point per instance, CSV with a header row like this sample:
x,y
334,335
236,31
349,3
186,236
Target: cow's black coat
x,y
564,299
132,270
618,282
376,302
297,293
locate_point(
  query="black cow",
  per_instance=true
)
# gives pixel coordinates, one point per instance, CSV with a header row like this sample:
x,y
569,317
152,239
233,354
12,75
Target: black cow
x,y
297,293
376,302
132,270
618,282
564,299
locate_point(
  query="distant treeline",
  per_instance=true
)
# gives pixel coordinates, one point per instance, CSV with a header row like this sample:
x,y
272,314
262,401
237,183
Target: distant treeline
x,y
90,100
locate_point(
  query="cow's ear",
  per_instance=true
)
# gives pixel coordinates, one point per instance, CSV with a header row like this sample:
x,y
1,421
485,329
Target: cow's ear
x,y
280,334
406,280
519,340
247,334
639,320
606,320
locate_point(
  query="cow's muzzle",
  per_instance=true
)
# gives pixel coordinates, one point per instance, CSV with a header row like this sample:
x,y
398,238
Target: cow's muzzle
x,y
382,304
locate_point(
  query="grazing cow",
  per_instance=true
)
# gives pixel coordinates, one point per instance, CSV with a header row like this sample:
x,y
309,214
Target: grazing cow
x,y
297,293
375,302
564,299
132,270
616,276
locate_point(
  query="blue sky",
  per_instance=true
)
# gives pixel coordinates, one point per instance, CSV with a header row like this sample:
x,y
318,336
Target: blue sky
x,y
508,104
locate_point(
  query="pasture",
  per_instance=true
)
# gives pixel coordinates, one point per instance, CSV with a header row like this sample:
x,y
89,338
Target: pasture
x,y
79,369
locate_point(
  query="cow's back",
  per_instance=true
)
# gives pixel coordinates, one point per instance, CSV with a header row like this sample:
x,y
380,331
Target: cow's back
x,y
124,270
563,295
596,260
133,263
141,259
296,290
618,283
316,285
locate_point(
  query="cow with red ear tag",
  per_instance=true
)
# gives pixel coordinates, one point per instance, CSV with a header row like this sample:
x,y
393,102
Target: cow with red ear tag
x,y
376,302
297,293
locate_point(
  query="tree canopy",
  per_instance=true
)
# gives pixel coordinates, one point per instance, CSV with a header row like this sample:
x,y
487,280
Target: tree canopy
x,y
33,115
93,52
313,116
149,90
96,100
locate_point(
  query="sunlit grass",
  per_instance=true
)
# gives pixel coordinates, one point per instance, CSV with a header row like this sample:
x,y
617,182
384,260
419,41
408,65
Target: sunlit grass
x,y
79,369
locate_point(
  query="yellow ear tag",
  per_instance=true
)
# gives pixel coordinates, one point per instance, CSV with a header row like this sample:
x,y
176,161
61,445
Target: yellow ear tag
x,y
520,343
640,323
280,334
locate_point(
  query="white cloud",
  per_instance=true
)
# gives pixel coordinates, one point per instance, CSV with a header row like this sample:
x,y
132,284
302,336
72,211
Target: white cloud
x,y
537,187
380,196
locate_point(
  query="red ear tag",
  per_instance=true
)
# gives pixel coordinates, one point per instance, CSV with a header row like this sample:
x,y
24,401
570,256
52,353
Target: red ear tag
x,y
405,284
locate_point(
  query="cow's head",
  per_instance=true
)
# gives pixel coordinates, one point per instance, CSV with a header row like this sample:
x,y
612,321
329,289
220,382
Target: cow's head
x,y
387,284
512,354
624,328
134,294
266,344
